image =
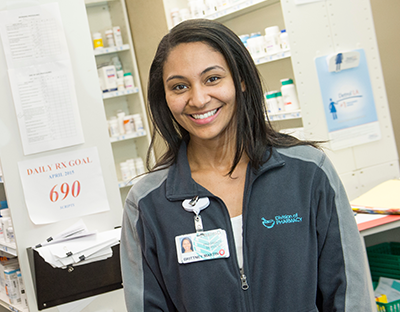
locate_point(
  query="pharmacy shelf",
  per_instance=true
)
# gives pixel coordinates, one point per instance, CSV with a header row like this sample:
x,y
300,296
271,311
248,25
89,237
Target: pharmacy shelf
x,y
108,50
129,136
239,8
285,115
90,3
113,94
9,248
12,307
272,57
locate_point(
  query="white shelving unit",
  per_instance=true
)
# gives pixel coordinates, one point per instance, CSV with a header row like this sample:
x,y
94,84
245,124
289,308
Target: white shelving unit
x,y
104,15
93,121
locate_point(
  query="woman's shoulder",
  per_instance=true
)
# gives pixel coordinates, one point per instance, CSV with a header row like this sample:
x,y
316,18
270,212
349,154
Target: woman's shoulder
x,y
146,184
306,153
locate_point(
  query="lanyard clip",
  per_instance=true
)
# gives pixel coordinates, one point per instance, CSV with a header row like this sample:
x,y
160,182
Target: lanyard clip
x,y
195,205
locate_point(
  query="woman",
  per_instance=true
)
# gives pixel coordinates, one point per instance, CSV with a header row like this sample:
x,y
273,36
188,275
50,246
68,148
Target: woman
x,y
269,211
186,245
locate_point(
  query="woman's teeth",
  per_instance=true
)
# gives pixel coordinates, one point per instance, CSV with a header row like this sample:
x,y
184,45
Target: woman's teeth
x,y
202,116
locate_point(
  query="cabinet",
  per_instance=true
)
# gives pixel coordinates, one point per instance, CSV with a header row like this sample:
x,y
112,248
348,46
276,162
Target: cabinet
x,y
319,28
103,16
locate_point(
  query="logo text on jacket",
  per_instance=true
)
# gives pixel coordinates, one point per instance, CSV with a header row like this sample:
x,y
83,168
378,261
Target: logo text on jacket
x,y
280,220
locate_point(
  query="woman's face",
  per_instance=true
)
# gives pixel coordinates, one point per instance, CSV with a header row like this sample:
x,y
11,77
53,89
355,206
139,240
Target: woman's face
x,y
199,91
187,246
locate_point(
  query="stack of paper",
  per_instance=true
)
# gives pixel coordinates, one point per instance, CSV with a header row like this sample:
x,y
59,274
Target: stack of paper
x,y
77,246
383,199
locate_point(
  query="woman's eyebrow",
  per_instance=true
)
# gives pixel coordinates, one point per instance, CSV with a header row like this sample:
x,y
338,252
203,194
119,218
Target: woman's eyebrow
x,y
202,73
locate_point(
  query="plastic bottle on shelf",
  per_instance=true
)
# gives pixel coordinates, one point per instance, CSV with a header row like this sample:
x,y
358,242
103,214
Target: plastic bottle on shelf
x,y
97,41
128,81
110,37
113,127
284,40
118,66
10,232
279,99
120,118
272,103
256,45
289,94
272,39
120,84
139,165
125,171
131,166
117,36
137,120
129,125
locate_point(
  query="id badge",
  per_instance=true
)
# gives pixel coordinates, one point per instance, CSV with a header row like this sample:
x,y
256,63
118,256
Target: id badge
x,y
208,245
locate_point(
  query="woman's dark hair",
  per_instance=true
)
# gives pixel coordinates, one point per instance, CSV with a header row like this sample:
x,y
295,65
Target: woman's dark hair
x,y
254,132
190,241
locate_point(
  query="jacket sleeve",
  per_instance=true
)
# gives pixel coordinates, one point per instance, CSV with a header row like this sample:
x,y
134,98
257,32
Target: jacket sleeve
x,y
344,282
143,290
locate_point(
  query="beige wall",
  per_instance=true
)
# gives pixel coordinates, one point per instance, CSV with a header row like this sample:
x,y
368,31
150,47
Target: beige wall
x,y
148,26
387,28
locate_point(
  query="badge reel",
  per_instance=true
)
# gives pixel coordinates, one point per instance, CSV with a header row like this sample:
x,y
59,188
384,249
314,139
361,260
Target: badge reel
x,y
196,204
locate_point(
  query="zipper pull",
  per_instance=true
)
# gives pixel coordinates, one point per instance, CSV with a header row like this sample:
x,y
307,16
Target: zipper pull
x,y
243,279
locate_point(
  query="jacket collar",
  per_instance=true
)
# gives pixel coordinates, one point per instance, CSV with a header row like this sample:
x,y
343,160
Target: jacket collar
x,y
181,186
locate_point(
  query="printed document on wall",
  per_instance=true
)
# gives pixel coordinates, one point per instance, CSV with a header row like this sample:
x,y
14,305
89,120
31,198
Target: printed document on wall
x,y
348,99
63,186
41,78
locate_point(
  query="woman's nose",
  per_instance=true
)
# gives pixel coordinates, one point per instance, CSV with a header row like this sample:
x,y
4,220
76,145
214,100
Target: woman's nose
x,y
199,96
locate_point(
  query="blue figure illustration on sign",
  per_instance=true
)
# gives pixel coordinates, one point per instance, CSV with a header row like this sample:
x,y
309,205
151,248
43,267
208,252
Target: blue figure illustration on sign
x,y
332,109
338,61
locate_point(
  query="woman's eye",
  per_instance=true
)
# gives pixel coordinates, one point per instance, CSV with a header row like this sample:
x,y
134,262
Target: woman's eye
x,y
212,79
179,87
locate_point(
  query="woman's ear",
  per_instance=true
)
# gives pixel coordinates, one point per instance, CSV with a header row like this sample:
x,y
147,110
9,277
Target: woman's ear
x,y
243,86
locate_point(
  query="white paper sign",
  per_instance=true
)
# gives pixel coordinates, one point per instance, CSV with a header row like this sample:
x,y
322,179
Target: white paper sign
x,y
41,78
63,186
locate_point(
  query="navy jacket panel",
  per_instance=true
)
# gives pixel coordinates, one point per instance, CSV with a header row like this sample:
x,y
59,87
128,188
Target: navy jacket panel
x,y
300,241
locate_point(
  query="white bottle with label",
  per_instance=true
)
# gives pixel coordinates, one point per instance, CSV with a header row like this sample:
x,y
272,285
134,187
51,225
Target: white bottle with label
x,y
289,95
128,80
272,39
284,40
272,103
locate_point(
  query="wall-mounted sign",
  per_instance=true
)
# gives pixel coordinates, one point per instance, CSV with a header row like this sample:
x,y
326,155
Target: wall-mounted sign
x,y
348,99
63,186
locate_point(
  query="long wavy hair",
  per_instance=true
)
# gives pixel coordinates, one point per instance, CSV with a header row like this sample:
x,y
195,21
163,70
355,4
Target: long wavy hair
x,y
254,133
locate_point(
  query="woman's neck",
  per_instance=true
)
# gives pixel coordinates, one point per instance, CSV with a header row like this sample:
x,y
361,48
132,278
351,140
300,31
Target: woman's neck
x,y
212,155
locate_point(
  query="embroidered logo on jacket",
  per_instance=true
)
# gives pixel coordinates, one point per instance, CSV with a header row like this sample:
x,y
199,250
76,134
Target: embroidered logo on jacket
x,y
284,219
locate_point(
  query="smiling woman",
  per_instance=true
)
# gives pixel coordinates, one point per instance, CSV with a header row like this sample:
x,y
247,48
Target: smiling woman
x,y
247,185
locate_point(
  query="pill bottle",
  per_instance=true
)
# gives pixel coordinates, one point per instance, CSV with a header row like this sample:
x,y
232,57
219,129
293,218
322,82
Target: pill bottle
x,y
120,84
272,103
97,41
284,40
129,125
256,45
125,171
272,39
113,128
175,16
289,95
117,36
244,39
132,167
4,225
139,165
10,232
137,120
120,118
128,81
279,99
110,38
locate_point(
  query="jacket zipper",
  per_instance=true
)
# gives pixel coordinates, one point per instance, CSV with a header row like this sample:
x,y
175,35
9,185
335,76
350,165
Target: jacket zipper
x,y
243,279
